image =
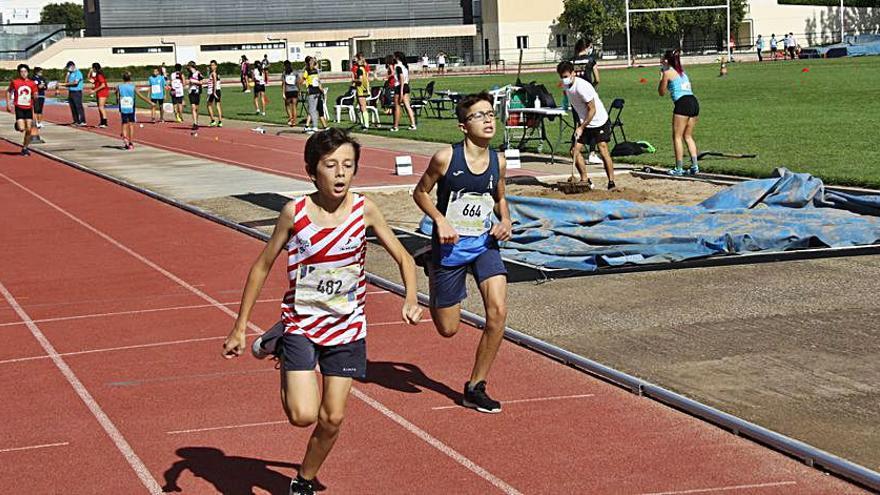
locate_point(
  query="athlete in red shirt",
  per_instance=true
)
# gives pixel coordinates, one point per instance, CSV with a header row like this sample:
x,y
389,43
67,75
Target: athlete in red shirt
x,y
323,319
102,91
21,94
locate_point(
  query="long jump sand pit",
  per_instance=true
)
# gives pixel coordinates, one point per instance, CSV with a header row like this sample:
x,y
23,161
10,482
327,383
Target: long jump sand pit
x,y
400,210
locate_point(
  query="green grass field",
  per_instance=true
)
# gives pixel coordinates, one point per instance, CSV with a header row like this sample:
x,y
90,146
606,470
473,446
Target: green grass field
x,y
824,121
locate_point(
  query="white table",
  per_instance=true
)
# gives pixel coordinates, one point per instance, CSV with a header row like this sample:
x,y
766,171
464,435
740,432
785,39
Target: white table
x,y
542,114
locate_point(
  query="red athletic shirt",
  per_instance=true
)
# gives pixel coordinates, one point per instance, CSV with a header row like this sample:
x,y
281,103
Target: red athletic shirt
x,y
99,80
23,93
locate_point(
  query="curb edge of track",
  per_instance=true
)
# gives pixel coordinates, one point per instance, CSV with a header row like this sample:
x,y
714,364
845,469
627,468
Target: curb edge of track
x,y
809,455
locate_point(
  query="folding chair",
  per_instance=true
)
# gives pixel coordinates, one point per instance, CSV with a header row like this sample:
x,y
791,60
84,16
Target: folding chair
x,y
424,98
618,105
347,103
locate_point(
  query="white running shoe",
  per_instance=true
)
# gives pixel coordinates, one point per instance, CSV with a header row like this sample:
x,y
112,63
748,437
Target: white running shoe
x,y
267,344
594,158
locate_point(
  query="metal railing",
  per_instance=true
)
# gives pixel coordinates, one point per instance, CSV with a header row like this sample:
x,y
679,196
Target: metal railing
x,y
23,41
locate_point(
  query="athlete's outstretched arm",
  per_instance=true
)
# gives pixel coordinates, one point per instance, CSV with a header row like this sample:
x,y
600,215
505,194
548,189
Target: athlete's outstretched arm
x,y
502,230
422,195
412,312
235,343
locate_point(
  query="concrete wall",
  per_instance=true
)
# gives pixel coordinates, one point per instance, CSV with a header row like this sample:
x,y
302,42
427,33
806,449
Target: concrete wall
x,y
504,20
84,51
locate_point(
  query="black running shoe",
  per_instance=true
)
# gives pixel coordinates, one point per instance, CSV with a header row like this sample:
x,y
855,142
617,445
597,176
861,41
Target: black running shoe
x,y
478,399
267,344
611,185
300,486
25,152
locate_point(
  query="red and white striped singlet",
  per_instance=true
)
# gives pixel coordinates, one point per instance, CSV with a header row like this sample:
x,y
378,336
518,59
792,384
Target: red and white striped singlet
x,y
332,247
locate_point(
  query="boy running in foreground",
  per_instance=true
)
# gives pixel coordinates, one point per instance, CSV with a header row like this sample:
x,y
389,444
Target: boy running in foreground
x,y
125,95
23,92
323,310
470,188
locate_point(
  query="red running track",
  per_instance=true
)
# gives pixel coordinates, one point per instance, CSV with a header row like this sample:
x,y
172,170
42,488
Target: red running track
x,y
113,308
276,154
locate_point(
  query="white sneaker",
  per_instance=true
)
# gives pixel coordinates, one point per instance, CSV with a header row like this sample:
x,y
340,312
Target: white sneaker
x,y
413,128
267,344
594,158
39,125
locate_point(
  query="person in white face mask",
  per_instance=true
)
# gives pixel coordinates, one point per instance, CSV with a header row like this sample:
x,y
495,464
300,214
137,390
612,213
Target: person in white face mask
x,y
594,127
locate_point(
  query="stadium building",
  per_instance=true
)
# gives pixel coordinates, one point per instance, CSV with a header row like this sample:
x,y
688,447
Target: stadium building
x,y
136,32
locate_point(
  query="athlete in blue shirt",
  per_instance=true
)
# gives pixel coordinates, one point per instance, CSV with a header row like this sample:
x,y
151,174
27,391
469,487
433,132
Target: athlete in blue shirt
x,y
125,95
465,235
158,83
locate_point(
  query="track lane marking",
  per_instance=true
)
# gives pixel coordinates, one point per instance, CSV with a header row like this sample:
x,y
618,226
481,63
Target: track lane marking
x,y
724,488
520,401
228,427
112,431
154,344
412,428
34,447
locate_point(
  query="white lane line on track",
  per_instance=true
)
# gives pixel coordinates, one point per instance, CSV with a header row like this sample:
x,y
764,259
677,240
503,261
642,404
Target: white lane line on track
x,y
228,427
437,444
158,344
415,430
34,447
174,278
131,312
724,488
121,443
519,401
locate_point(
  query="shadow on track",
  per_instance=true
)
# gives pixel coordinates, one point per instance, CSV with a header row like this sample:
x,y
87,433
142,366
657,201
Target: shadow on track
x,y
230,475
407,378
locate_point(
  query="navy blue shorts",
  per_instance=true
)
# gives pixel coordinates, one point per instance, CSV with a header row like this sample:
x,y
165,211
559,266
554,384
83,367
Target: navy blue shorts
x,y
448,283
301,354
128,118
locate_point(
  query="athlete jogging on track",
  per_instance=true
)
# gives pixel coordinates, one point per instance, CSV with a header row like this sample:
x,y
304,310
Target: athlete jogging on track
x,y
470,193
323,320
20,96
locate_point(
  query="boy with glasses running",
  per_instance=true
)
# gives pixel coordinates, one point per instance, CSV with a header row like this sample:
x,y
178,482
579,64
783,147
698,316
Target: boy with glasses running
x,y
470,193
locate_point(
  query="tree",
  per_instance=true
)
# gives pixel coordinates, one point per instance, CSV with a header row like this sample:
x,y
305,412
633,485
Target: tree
x,y
70,14
590,18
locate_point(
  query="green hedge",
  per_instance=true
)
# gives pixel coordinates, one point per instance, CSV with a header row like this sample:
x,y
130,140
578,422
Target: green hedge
x,y
142,72
833,3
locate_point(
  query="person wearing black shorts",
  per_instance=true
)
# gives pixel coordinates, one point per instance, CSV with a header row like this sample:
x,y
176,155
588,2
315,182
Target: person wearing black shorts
x,y
290,82
20,95
195,93
686,110
259,76
215,110
595,126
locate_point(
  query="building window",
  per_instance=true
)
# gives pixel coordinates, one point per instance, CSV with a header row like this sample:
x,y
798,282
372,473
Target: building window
x,y
561,40
242,46
323,44
122,50
522,42
90,6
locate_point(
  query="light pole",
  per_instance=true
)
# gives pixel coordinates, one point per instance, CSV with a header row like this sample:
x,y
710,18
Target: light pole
x,y
841,22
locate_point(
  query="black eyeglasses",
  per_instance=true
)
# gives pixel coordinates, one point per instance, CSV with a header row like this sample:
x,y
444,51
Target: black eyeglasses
x,y
490,115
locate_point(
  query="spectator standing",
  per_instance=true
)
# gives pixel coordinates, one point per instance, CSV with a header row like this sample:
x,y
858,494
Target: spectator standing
x,y
74,85
245,69
441,63
759,46
773,47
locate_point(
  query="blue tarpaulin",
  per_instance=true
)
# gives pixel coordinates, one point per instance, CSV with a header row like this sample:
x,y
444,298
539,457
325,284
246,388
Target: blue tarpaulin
x,y
787,212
